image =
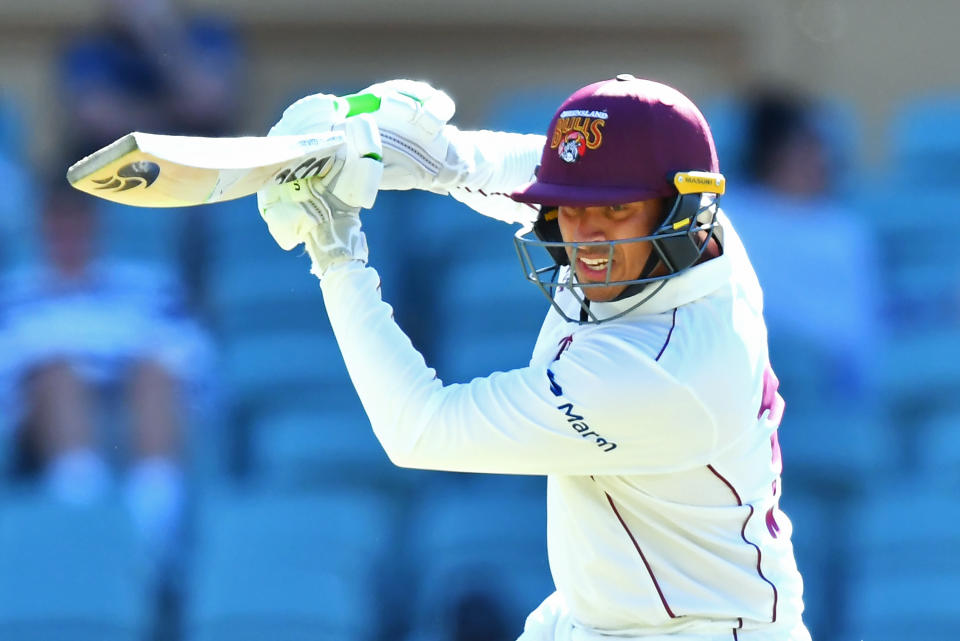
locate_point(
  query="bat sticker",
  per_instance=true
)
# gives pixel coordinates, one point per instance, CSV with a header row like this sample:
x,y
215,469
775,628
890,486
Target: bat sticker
x,y
307,168
141,173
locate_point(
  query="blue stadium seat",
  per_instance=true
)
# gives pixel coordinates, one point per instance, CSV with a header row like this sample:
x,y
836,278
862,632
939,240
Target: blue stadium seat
x,y
318,445
253,285
270,370
904,568
12,126
293,567
841,448
920,368
138,234
725,116
267,311
489,321
70,572
18,233
526,111
938,445
832,436
919,253
925,136
394,229
836,120
819,552
485,315
478,537
265,293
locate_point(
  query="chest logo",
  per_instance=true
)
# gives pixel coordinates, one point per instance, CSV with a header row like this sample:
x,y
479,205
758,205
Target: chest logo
x,y
579,425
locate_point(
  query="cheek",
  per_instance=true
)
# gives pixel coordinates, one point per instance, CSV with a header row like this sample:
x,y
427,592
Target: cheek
x,y
634,256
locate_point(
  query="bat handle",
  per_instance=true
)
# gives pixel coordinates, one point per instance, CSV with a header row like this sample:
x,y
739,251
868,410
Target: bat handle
x,y
361,103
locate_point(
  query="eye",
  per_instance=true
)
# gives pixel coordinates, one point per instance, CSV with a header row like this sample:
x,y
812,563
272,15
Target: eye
x,y
618,211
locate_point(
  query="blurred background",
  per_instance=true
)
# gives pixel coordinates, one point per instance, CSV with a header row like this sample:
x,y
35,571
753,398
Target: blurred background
x,y
182,455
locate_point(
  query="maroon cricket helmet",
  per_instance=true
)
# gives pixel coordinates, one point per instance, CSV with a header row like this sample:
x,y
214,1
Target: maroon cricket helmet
x,y
619,141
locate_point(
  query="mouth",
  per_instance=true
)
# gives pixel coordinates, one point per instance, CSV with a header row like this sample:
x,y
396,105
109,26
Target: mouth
x,y
593,267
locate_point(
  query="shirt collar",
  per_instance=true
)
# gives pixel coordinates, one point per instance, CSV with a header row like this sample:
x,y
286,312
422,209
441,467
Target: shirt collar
x,y
695,283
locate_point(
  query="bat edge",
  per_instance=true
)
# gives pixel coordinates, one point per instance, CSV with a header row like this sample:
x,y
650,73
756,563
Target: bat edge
x,y
99,159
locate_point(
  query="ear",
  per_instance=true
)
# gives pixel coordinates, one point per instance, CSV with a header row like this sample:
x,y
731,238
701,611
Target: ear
x,y
680,250
547,229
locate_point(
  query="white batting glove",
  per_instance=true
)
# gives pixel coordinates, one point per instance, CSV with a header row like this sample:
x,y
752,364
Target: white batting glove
x,y
336,237
413,119
351,179
422,151
312,114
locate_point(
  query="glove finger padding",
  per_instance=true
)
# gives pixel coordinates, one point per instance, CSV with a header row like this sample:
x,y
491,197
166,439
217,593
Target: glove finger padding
x,y
352,176
336,237
359,181
286,221
311,114
412,102
411,118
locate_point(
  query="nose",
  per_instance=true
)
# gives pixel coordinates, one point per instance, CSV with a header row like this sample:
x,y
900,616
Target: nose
x,y
591,224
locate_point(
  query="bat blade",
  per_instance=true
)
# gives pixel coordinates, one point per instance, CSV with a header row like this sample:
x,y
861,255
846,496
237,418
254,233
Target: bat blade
x,y
155,170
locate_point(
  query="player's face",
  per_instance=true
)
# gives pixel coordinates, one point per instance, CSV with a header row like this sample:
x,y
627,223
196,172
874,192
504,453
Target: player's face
x,y
617,222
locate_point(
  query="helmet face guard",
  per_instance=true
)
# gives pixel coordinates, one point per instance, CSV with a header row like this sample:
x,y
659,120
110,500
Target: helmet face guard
x,y
678,243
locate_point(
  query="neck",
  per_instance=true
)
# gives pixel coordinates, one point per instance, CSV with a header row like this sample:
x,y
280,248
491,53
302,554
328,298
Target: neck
x,y
712,250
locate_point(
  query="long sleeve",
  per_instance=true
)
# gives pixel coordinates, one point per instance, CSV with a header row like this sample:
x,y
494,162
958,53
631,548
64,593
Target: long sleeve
x,y
604,407
497,163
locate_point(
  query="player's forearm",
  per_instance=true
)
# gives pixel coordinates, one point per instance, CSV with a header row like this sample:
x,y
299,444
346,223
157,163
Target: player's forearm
x,y
493,424
508,422
391,378
495,161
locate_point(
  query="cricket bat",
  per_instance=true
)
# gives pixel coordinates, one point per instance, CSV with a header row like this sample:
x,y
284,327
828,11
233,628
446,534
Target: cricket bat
x,y
157,170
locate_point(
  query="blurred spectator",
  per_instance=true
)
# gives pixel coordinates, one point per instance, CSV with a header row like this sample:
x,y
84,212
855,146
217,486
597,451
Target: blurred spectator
x,y
478,616
93,346
147,67
17,203
815,258
819,268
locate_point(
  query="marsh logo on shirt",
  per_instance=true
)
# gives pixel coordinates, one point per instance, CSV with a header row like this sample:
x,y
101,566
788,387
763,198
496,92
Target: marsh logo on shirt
x,y
577,423
554,386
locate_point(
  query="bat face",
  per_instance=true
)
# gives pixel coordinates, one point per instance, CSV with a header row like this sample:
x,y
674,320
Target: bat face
x,y
151,170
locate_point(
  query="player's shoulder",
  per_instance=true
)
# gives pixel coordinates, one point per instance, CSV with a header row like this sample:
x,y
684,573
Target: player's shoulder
x,y
610,359
614,373
643,336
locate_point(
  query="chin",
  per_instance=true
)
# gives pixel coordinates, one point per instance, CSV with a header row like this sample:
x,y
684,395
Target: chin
x,y
601,294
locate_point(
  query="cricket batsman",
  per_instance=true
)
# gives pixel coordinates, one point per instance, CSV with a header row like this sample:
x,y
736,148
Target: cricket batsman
x,y
649,402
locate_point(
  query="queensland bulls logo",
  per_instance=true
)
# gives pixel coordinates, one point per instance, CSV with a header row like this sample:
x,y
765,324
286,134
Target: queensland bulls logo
x,y
572,147
577,131
141,173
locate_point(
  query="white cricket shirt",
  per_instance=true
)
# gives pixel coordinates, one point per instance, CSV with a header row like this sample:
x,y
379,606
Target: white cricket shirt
x,y
663,474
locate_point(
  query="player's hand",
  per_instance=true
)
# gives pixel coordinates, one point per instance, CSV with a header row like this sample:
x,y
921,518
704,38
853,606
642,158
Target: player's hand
x,y
417,150
412,119
322,209
336,236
